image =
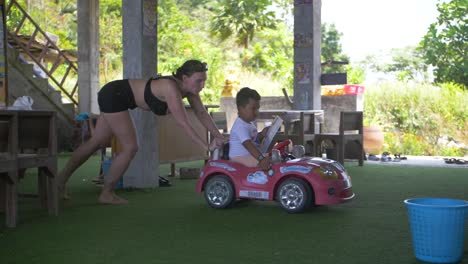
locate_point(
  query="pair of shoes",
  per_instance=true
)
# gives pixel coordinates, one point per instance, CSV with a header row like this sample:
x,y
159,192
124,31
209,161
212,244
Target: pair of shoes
x,y
385,157
163,182
456,161
398,156
449,160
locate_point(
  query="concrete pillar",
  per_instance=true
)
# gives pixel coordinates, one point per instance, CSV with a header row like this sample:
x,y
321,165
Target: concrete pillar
x,y
307,41
139,19
88,55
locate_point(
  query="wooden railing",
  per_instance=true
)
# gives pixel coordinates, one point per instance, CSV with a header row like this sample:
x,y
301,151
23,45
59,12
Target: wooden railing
x,y
39,48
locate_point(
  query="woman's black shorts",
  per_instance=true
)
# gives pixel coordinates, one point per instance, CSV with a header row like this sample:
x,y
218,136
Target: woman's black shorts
x,y
116,96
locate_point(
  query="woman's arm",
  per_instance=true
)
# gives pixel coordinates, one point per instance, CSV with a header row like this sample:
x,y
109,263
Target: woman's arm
x,y
202,115
177,109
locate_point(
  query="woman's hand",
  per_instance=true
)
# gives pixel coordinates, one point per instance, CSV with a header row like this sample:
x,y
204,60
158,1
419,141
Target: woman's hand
x,y
213,145
219,141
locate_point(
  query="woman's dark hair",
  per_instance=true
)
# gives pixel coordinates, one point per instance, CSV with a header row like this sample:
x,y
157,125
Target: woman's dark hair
x,y
244,94
190,67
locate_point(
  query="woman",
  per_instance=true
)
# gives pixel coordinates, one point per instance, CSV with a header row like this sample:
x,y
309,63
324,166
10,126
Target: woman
x,y
161,95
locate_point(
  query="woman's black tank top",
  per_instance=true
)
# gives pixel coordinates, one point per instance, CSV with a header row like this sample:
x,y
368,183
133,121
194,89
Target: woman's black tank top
x,y
157,106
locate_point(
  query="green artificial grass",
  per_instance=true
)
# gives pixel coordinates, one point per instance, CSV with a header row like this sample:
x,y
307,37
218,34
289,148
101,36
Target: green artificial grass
x,y
174,224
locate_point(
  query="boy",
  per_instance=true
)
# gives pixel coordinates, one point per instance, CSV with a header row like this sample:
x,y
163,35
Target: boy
x,y
244,139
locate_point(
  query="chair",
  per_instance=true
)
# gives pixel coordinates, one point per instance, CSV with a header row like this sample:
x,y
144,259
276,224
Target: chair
x,y
300,129
350,130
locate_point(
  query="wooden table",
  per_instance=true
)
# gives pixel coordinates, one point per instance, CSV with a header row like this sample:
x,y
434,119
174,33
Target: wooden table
x,y
27,140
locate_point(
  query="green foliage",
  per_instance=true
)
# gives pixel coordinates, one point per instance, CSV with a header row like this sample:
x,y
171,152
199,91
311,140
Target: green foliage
x,y
111,47
416,118
62,23
331,49
184,26
180,38
242,19
271,54
355,74
445,44
406,63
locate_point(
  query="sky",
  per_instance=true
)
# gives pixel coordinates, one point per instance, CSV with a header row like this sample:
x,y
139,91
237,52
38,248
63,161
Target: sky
x,y
376,26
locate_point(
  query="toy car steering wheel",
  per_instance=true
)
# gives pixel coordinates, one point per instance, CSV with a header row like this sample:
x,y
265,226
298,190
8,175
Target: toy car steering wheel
x,y
274,128
281,146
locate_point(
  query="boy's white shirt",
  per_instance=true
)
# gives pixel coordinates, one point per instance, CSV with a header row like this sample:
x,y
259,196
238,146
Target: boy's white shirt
x,y
240,132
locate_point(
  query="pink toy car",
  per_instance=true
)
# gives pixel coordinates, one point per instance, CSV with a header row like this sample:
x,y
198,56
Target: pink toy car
x,y
296,182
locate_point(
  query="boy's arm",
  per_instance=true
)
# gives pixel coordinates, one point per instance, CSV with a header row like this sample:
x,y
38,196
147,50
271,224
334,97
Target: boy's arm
x,y
263,161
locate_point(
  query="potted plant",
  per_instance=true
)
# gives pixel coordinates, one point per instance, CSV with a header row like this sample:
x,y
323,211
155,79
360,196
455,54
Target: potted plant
x,y
373,137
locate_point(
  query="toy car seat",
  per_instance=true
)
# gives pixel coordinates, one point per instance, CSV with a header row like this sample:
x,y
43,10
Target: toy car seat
x,y
225,153
221,153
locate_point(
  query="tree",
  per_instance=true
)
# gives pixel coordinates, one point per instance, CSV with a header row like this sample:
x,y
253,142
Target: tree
x,y
445,44
242,19
406,63
331,49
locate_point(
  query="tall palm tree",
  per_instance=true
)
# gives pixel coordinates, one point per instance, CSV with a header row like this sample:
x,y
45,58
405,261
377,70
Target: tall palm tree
x,y
242,19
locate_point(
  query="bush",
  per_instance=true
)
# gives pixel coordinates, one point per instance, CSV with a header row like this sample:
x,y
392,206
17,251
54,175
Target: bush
x,y
415,117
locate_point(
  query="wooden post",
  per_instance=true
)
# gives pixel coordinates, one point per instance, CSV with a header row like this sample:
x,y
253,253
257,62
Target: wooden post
x,y
139,18
307,41
3,59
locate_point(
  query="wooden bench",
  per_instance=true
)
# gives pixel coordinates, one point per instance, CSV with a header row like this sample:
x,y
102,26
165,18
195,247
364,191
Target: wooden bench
x,y
31,140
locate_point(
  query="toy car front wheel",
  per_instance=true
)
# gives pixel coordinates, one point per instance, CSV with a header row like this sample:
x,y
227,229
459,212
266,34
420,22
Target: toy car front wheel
x,y
219,192
294,195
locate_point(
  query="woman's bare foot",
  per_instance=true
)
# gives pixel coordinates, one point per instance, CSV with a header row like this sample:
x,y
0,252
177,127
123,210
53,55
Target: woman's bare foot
x,y
111,198
62,192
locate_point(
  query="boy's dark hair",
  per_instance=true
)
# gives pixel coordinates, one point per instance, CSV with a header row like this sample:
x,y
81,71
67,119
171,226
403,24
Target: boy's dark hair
x,y
190,67
244,94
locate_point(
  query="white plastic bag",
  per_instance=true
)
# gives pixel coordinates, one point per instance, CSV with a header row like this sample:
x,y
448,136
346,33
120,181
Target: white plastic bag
x,y
22,103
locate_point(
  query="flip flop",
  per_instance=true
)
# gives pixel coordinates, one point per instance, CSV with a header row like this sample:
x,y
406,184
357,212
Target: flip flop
x,y
449,161
385,157
398,156
461,161
163,182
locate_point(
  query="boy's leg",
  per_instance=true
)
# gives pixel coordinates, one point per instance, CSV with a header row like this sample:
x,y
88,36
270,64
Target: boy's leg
x,y
248,160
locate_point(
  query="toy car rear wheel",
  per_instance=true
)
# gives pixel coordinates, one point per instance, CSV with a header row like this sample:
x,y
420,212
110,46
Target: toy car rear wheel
x,y
294,195
219,192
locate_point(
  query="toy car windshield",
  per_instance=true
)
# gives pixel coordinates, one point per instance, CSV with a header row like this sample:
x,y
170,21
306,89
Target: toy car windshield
x,y
271,134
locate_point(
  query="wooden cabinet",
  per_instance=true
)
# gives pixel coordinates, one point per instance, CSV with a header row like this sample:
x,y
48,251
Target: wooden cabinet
x,y
174,143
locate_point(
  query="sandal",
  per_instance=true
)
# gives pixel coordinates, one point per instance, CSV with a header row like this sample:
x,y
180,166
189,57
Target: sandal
x,y
385,157
163,182
398,156
449,160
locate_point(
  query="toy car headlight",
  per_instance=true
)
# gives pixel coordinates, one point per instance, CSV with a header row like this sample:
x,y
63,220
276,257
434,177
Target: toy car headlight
x,y
298,151
326,171
339,166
